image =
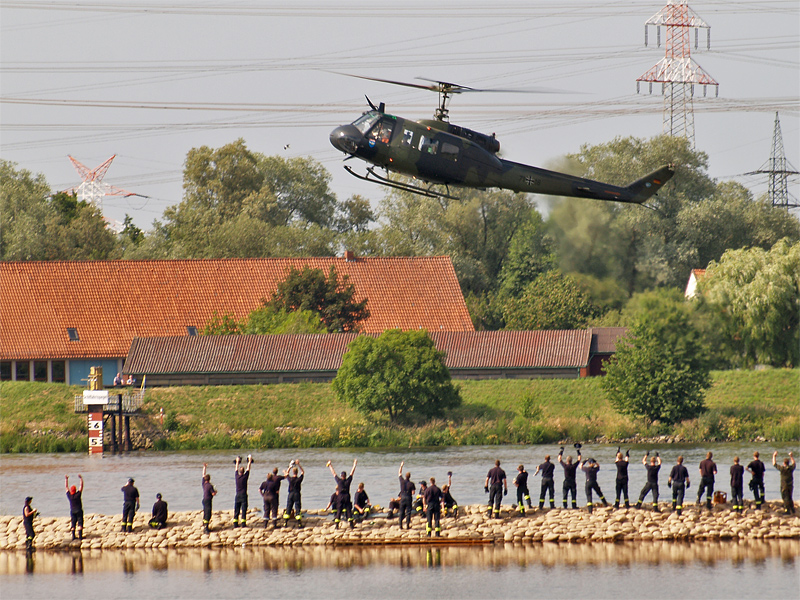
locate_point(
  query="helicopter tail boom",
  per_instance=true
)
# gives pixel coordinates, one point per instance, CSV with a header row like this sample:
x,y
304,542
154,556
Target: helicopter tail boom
x,y
646,187
525,178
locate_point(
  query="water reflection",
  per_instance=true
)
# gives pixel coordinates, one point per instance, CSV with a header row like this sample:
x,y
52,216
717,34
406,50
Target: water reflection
x,y
485,557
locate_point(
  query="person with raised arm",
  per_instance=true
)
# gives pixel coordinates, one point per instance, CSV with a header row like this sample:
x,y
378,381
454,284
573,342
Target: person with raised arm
x,y
787,480
344,501
570,485
241,475
74,495
407,489
651,485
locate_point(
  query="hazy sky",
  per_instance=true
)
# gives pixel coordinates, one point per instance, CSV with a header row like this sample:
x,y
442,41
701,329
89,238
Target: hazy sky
x,y
148,81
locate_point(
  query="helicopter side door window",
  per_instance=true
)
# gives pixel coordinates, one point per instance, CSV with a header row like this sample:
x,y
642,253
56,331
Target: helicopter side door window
x,y
450,151
428,145
382,132
408,137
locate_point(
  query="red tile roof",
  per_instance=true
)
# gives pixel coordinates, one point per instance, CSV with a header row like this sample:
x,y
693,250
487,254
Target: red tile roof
x,y
242,354
112,302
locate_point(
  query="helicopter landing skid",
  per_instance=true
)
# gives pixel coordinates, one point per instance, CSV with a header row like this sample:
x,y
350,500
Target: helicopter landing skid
x,y
373,177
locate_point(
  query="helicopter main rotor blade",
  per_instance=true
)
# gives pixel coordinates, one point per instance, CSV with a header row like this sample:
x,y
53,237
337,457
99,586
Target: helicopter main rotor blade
x,y
455,88
418,86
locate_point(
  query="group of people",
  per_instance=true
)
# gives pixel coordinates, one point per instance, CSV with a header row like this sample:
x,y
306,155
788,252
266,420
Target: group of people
x,y
496,485
432,502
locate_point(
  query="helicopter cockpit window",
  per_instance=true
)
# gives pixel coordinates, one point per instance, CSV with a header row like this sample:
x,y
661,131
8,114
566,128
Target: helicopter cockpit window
x,y
449,151
365,121
428,145
382,132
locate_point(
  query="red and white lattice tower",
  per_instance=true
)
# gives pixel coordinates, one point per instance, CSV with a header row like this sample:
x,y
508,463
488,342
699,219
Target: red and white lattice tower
x,y
93,190
677,72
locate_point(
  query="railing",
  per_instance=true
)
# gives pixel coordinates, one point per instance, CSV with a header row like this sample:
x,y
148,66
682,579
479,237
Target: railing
x,y
132,400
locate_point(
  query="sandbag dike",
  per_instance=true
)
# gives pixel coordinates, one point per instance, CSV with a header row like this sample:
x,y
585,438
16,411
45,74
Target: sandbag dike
x,y
472,527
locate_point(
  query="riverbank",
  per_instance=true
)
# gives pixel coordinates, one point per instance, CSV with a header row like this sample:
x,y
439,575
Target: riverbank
x,y
742,405
472,527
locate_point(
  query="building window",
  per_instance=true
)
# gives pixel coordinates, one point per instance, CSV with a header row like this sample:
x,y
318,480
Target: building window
x,y
40,370
5,370
72,332
59,371
23,370
191,330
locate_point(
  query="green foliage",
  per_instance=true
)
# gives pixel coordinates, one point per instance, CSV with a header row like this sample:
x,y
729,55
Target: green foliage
x,y
309,290
38,226
475,230
399,373
660,371
269,321
695,222
529,407
530,254
224,324
753,297
551,301
38,417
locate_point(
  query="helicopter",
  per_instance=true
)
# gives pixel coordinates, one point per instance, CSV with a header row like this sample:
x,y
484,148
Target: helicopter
x,y
435,151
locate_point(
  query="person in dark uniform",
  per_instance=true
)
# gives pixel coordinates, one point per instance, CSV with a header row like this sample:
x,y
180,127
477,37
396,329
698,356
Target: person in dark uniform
x,y
344,502
756,468
406,495
449,504
523,494
652,480
679,482
787,481
433,508
158,519
269,492
419,503
241,475
334,500
548,482
622,477
208,498
496,478
74,495
570,471
361,504
293,500
130,504
28,513
591,467
708,469
737,485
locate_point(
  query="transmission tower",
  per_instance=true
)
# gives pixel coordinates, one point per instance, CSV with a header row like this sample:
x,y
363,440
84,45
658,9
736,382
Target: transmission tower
x,y
779,169
93,190
677,72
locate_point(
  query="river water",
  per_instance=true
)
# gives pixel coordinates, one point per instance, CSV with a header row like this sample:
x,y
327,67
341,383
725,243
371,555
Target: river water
x,y
664,570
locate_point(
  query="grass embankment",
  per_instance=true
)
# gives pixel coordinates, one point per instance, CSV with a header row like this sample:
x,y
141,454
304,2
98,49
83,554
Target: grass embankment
x,y
742,405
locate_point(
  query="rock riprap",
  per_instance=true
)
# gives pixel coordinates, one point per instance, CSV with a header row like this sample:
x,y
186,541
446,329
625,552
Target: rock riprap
x,y
605,524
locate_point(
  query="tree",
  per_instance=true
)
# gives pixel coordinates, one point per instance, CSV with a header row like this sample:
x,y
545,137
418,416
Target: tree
x,y
551,301
38,225
399,373
266,321
221,324
695,221
309,289
753,297
530,254
475,230
660,371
